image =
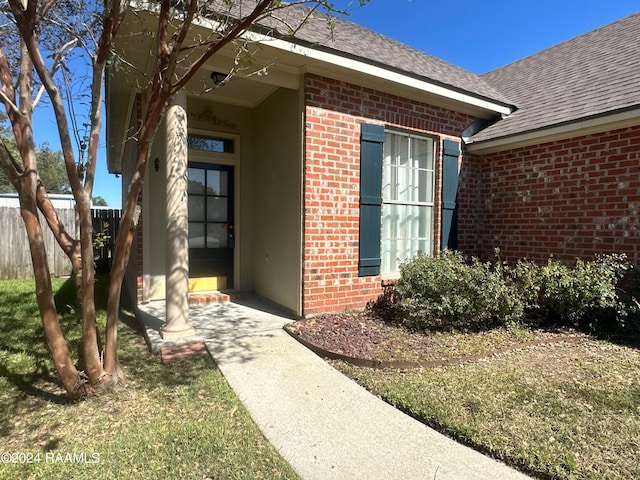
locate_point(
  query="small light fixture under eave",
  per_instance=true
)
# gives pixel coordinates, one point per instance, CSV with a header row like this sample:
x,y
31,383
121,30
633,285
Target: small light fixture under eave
x,y
218,77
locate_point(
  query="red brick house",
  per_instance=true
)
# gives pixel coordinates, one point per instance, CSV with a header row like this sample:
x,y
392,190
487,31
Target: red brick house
x,y
310,184
561,174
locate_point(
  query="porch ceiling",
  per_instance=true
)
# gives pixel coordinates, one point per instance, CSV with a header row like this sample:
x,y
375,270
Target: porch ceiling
x,y
275,64
247,88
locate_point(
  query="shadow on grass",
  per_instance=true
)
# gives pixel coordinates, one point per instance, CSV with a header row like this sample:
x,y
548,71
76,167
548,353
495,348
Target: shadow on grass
x,y
184,372
629,336
25,360
24,356
27,384
67,300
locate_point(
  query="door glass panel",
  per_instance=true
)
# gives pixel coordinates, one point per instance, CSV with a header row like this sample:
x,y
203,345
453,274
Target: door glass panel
x,y
217,182
210,206
196,208
196,235
217,209
217,235
196,180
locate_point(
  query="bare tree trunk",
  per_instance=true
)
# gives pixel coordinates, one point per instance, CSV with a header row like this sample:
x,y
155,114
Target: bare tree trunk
x,y
69,375
91,355
69,245
121,255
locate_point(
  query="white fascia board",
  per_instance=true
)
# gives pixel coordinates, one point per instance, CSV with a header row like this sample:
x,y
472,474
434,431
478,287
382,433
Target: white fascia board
x,y
368,69
389,75
585,127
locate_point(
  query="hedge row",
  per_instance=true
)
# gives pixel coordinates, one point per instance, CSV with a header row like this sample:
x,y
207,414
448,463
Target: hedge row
x,y
456,292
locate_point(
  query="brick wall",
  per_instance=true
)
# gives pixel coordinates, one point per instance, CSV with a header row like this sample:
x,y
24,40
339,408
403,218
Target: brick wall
x,y
469,202
572,198
134,275
334,112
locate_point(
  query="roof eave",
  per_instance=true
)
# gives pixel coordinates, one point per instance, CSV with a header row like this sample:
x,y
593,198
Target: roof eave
x,y
316,56
608,121
388,74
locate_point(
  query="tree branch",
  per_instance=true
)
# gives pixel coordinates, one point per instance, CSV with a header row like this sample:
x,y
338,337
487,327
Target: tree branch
x,y
69,245
111,23
26,27
235,30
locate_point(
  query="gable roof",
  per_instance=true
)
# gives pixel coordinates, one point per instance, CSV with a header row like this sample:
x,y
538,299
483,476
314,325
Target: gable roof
x,y
350,39
324,44
592,75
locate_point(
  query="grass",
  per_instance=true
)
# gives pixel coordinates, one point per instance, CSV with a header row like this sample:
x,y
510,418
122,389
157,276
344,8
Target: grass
x,y
411,346
561,410
177,421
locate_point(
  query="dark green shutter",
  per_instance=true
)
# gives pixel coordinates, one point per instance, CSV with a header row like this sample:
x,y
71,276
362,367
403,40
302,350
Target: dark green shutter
x,y
371,152
450,154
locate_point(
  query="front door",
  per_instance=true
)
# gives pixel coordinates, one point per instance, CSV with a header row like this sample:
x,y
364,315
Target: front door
x,y
211,230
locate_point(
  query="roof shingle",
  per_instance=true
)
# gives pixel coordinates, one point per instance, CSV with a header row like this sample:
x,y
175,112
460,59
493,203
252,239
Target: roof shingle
x,y
347,38
590,75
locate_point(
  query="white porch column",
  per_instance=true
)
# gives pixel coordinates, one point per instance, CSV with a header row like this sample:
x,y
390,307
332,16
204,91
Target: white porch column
x,y
177,325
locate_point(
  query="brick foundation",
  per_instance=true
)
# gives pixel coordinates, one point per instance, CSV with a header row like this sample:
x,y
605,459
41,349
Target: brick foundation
x,y
175,353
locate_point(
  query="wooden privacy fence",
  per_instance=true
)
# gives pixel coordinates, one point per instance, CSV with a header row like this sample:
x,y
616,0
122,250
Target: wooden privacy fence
x,y
15,258
105,225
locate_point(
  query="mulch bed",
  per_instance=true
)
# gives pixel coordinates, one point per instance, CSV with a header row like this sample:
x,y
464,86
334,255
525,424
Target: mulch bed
x,y
368,338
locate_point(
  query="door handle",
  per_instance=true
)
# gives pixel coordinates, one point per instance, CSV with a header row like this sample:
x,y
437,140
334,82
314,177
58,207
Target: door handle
x,y
231,236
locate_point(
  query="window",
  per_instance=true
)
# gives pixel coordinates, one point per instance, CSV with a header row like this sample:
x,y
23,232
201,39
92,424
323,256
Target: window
x,y
408,196
211,144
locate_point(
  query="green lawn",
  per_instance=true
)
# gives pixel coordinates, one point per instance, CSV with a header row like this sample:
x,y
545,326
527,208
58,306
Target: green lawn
x,y
177,421
563,410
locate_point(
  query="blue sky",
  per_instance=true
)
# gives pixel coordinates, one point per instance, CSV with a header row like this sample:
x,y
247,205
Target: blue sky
x,y
476,35
483,35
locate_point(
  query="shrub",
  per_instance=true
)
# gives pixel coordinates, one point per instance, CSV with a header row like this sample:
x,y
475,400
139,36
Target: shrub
x,y
585,296
451,291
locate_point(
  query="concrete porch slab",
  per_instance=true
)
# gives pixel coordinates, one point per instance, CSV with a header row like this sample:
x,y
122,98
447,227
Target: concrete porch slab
x,y
210,320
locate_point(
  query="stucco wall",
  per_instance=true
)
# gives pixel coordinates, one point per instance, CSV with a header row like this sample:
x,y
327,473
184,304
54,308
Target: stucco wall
x,y
155,219
334,112
277,177
570,198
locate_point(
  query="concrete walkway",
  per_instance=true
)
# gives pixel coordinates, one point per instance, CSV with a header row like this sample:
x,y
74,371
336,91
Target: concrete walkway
x,y
325,425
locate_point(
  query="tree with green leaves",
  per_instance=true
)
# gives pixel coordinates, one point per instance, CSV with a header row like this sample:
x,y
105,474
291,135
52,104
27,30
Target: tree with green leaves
x,y
99,202
51,164
39,40
50,168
